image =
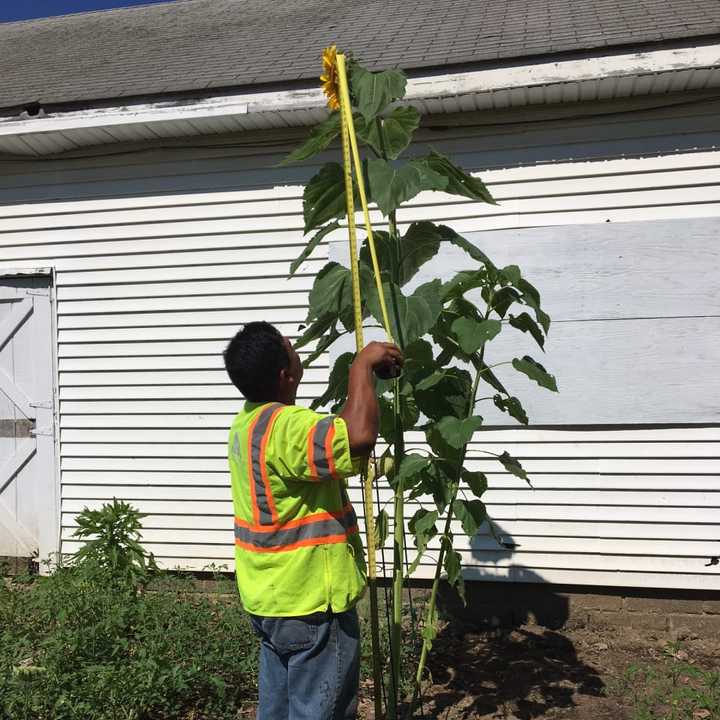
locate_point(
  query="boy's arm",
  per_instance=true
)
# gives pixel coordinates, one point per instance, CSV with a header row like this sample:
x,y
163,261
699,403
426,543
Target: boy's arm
x,y
361,412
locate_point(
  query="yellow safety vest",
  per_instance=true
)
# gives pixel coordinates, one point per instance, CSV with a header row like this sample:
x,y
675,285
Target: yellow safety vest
x,y
297,547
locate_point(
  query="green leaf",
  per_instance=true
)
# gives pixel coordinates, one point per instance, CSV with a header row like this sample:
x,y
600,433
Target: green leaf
x,y
416,313
420,243
503,299
512,406
512,465
444,392
391,185
535,371
324,196
525,323
397,131
320,137
381,528
312,244
338,384
472,250
435,480
457,432
510,274
331,293
459,182
411,468
374,91
471,514
453,567
414,249
419,362
315,330
409,412
325,342
476,481
464,281
473,335
531,297
422,526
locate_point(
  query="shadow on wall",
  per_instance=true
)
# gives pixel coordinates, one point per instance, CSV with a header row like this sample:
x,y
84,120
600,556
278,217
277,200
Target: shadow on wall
x,y
521,596
504,651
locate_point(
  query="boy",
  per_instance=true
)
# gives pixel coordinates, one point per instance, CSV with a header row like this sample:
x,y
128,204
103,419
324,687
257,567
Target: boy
x,y
299,558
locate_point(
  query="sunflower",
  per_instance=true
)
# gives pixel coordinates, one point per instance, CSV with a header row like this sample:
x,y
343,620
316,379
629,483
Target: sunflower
x,y
329,77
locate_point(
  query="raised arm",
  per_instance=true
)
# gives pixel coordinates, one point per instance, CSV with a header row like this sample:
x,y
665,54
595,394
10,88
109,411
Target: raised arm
x,y
361,412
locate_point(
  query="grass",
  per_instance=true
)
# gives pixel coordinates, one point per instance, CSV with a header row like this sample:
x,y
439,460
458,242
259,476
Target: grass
x,y
673,688
76,646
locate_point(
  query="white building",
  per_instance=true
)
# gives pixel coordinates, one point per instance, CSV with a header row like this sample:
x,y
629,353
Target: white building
x,y
143,219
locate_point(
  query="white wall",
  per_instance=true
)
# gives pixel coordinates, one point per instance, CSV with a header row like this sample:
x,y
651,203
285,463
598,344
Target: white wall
x,y
161,254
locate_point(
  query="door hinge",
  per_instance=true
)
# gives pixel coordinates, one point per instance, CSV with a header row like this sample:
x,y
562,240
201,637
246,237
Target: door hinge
x,y
44,431
42,404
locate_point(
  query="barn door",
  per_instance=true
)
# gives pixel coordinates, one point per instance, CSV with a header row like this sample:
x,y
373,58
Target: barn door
x,y
28,493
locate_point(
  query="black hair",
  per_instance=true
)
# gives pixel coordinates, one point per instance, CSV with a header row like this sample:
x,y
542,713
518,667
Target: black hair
x,y
254,358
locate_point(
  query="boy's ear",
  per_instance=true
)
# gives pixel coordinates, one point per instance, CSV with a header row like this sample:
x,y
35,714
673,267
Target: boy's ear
x,y
285,376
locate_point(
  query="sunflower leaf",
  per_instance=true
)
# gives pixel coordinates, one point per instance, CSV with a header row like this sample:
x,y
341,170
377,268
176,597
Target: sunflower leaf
x,y
312,244
391,185
324,196
374,91
535,371
396,134
459,182
320,137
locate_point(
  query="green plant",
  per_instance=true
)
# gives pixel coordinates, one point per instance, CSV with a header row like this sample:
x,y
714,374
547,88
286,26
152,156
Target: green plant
x,y
444,329
112,543
77,645
671,689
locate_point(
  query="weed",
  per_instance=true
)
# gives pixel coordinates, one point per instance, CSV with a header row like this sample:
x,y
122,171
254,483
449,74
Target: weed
x,y
671,689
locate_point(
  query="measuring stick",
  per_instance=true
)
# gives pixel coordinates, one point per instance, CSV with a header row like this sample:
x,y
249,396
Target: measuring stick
x,y
349,142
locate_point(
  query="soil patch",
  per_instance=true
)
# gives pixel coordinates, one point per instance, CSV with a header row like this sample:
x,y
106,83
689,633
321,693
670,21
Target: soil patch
x,y
576,673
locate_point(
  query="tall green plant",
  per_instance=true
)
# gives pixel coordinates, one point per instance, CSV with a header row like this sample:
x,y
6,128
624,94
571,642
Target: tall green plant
x,y
444,329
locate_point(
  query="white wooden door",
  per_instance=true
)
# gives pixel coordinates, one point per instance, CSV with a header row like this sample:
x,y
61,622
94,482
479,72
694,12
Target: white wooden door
x,y
28,492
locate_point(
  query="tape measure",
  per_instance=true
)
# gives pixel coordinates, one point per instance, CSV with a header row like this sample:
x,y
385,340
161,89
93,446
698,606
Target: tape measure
x,y
350,147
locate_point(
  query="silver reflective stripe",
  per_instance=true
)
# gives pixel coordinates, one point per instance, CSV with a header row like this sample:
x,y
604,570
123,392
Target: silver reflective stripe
x,y
322,464
283,536
236,446
261,499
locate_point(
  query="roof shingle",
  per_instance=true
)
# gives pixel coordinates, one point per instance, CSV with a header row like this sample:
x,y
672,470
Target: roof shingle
x,y
190,45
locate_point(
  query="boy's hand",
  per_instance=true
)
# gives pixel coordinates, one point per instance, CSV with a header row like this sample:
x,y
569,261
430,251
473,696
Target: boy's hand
x,y
384,359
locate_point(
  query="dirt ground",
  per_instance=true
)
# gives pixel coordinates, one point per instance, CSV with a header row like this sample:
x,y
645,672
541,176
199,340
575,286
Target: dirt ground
x,y
577,673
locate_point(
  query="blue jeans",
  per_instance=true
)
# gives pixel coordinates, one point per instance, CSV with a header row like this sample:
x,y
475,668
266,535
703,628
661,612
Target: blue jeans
x,y
309,666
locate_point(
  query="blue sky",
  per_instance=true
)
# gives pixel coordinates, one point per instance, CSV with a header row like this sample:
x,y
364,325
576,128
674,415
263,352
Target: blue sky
x,y
14,10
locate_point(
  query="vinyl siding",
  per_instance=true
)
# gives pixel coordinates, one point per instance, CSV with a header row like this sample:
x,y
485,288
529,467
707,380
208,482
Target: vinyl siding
x,y
161,254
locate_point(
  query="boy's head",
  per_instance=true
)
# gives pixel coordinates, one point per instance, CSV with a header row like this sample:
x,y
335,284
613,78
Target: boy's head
x,y
262,364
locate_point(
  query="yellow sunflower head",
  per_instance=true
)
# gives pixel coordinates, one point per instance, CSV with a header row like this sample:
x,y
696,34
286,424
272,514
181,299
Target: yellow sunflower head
x,y
329,77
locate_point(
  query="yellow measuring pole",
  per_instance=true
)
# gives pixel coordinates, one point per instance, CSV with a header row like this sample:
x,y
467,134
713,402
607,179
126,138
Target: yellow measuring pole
x,y
347,119
349,146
